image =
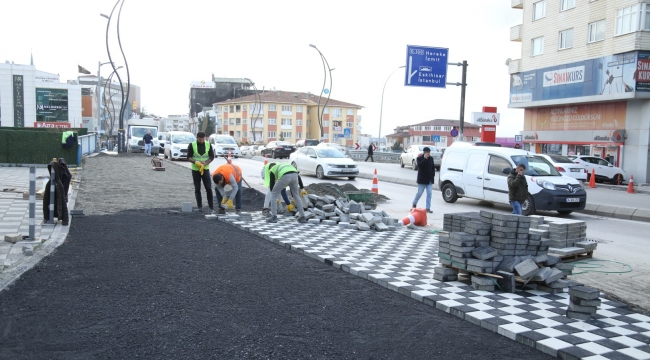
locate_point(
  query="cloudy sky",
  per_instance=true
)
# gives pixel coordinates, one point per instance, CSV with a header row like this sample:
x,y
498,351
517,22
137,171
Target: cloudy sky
x,y
170,43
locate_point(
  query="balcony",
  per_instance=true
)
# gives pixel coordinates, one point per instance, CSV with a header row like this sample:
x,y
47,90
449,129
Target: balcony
x,y
514,66
517,4
515,33
286,126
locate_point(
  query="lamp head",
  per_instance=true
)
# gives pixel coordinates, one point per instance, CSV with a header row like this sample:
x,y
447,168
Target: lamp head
x,y
312,45
402,67
104,15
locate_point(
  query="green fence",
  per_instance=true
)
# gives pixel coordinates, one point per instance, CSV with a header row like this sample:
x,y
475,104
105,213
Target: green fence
x,y
36,146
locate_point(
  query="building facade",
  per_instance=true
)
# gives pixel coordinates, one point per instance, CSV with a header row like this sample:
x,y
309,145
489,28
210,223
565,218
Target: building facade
x,y
433,132
33,98
583,79
292,116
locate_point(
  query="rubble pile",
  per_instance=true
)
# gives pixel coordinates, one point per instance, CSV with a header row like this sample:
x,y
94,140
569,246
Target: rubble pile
x,y
513,247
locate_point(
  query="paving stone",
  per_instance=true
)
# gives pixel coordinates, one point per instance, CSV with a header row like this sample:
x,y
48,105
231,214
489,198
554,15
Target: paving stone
x,y
482,280
445,271
552,260
313,221
380,226
328,207
483,287
583,302
554,275
541,258
507,283
526,268
508,263
328,222
564,266
366,217
558,284
577,315
484,252
541,274
354,207
445,278
584,292
13,238
344,225
363,226
582,308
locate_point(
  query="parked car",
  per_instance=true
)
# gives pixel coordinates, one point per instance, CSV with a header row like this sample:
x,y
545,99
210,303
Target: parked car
x,y
176,143
566,166
258,150
224,144
603,169
323,162
410,155
278,149
475,143
243,150
306,142
161,143
481,172
333,146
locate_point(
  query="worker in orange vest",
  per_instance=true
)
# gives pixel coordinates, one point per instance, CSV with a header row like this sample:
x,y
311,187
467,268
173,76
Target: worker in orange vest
x,y
228,174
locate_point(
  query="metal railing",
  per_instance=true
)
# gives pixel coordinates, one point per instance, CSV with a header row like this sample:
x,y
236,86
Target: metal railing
x,y
87,144
387,157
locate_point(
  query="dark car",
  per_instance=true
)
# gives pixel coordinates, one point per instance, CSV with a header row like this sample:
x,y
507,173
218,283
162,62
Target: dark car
x,y
278,149
307,142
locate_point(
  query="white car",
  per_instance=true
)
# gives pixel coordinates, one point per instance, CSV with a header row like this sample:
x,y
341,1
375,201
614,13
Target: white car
x,y
244,150
566,166
323,162
410,155
603,169
223,145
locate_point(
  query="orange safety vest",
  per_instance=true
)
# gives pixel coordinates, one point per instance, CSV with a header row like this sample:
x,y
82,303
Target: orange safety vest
x,y
228,169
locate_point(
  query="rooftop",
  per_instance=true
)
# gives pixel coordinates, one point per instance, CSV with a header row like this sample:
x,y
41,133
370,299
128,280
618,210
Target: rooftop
x,y
445,122
288,97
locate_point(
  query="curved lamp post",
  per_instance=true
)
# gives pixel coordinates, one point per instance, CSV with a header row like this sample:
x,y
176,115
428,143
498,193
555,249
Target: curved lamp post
x,y
326,68
255,109
381,111
106,85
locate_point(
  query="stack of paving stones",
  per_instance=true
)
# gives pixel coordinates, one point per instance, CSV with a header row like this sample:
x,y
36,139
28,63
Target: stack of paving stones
x,y
329,210
583,302
511,246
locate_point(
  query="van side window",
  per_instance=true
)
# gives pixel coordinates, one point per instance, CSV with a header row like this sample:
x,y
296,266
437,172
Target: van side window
x,y
497,164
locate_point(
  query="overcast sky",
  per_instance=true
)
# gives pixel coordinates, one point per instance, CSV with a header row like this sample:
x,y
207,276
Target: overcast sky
x,y
170,43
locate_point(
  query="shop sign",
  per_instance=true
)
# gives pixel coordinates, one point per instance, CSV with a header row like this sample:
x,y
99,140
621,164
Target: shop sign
x,y
53,125
19,101
608,116
588,136
202,85
483,118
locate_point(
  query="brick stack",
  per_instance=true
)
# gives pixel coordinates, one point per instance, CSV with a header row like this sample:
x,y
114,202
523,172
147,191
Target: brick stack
x,y
583,302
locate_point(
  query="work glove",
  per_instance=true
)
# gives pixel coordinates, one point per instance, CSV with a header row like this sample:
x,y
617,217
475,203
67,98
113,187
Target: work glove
x,y
201,169
290,207
223,201
198,163
303,192
229,204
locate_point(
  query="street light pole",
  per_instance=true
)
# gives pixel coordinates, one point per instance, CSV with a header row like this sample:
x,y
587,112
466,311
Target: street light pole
x,y
99,86
381,109
326,68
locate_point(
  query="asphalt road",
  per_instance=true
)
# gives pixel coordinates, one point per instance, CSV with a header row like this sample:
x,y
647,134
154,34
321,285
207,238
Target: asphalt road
x,y
142,283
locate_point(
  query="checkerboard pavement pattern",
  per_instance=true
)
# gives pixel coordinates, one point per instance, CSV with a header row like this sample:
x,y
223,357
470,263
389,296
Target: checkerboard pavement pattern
x,y
403,261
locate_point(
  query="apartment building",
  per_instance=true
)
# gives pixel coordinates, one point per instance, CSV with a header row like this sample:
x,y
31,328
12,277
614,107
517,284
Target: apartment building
x,y
433,132
583,79
275,115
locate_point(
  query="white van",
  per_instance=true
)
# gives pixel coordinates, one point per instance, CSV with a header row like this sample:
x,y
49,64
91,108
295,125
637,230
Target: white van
x,y
222,143
481,172
176,143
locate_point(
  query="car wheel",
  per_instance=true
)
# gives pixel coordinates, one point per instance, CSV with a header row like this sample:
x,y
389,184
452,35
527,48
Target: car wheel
x,y
415,167
528,207
319,172
565,212
401,162
352,177
449,193
615,180
165,156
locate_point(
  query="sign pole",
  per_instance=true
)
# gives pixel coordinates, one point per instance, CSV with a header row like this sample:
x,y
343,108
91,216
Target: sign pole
x,y
463,85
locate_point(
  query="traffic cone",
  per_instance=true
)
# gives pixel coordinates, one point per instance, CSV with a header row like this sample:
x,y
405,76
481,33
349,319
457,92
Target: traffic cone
x,y
375,187
416,217
630,185
266,159
592,179
229,157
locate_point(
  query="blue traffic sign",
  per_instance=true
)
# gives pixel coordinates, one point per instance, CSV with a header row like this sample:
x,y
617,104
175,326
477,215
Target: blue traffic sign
x,y
435,138
454,132
326,91
426,66
347,132
339,135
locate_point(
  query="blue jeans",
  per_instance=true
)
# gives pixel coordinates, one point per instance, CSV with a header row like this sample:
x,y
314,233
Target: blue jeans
x,y
421,188
516,207
147,149
237,196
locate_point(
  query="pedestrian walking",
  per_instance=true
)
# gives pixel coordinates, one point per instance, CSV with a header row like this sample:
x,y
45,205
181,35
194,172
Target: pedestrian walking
x,y
426,177
266,211
281,176
148,142
517,188
201,155
371,151
228,174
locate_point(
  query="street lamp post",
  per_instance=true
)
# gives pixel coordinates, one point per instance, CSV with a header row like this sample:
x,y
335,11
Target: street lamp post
x,y
99,84
326,68
106,83
255,109
381,111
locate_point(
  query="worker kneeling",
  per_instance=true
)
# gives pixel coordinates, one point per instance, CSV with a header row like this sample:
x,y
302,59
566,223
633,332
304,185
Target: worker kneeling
x,y
266,211
281,176
228,174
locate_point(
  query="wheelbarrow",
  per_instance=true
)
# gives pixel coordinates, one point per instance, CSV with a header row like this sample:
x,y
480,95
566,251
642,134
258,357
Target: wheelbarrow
x,y
358,196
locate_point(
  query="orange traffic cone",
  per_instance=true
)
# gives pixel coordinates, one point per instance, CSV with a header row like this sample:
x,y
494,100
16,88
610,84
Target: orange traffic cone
x,y
592,179
630,185
266,159
416,217
375,186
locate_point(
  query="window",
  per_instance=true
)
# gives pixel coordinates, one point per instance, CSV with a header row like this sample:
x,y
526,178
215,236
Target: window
x,y
326,123
244,121
645,14
272,107
307,135
426,138
626,20
537,46
238,121
443,140
437,128
298,135
338,112
232,121
286,121
232,108
244,134
349,124
286,135
225,109
272,121
476,138
288,108
298,122
539,10
244,107
350,111
326,110
237,108
271,134
565,40
237,134
567,4
597,31
497,164
446,128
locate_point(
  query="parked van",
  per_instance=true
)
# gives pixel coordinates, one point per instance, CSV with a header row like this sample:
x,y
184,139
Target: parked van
x,y
176,144
481,172
222,143
306,142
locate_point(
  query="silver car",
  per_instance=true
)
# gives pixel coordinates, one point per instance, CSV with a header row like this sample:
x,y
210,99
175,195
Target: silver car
x,y
410,155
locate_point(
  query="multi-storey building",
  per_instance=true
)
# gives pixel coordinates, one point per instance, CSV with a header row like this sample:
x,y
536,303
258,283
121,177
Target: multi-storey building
x,y
429,132
275,115
583,79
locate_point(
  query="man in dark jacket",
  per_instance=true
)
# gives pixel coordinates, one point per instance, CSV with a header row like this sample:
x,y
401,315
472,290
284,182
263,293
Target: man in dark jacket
x,y
426,177
517,188
371,150
148,142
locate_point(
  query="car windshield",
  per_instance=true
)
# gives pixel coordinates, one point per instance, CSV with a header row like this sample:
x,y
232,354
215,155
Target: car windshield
x,y
311,142
536,165
183,138
224,140
329,153
139,132
560,159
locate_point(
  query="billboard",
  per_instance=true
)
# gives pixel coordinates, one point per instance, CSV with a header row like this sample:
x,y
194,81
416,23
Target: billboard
x,y
19,101
608,116
51,105
604,76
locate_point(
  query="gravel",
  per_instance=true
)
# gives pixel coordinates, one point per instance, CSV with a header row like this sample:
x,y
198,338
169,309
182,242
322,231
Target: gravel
x,y
134,281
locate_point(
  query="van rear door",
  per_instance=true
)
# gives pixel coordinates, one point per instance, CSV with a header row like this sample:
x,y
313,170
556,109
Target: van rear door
x,y
474,173
496,180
